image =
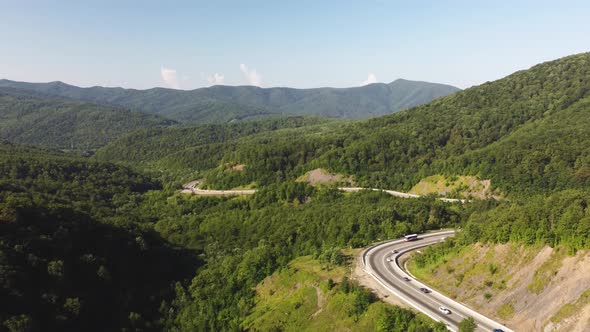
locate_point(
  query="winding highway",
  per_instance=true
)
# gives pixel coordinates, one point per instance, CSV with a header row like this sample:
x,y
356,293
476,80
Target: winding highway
x,y
191,188
382,262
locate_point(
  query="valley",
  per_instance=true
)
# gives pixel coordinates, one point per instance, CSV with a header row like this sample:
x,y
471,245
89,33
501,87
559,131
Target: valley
x,y
101,215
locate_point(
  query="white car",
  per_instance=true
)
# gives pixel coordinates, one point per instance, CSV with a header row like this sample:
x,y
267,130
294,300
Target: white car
x,y
394,251
444,310
389,259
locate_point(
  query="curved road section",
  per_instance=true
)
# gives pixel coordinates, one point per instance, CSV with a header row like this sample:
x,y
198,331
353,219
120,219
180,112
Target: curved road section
x,y
191,188
382,263
399,194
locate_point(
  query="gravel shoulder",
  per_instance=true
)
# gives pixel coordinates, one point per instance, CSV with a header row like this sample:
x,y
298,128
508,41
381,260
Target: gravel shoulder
x,y
365,280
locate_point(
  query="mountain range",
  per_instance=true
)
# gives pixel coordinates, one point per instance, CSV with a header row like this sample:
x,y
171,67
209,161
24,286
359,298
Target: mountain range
x,y
220,104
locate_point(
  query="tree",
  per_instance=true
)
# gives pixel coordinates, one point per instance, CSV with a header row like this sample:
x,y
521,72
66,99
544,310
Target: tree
x,y
20,323
467,325
56,268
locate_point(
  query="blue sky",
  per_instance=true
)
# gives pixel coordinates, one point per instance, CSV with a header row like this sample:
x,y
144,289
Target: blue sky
x,y
303,44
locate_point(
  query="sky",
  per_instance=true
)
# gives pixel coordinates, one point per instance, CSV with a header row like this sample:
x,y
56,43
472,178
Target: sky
x,y
300,43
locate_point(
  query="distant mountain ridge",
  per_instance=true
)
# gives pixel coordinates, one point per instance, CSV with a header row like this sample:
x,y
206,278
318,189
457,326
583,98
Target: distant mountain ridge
x,y
219,104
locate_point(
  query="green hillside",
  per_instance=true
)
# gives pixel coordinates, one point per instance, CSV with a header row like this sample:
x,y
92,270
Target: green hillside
x,y
247,239
485,131
83,240
139,145
402,148
35,119
320,299
220,104
550,153
111,235
71,251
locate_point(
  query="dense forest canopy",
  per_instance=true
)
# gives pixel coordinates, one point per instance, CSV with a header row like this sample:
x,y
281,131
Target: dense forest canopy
x,y
71,253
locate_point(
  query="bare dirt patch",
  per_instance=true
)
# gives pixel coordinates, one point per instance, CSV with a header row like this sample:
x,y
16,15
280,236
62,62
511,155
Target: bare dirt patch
x,y
239,167
321,176
320,301
191,185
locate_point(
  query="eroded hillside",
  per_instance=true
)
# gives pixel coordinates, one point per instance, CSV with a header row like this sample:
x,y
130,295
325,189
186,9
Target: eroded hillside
x,y
530,288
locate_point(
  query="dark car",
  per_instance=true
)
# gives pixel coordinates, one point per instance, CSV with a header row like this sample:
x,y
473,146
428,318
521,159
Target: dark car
x,y
406,279
424,290
498,330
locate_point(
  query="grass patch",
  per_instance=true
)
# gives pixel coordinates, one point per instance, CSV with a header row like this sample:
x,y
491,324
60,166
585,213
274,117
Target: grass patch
x,y
423,265
493,268
314,269
506,311
451,186
571,309
305,296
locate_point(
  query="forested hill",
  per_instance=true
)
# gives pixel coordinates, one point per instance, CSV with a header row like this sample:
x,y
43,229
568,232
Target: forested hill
x,y
447,134
82,239
512,131
220,104
37,119
72,250
140,146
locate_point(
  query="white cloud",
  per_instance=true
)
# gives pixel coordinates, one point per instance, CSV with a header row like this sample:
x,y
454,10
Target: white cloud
x,y
251,75
170,78
370,79
215,79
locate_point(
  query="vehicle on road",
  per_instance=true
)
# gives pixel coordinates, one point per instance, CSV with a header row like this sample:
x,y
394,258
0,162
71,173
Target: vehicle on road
x,y
417,294
394,251
389,259
444,310
411,237
498,330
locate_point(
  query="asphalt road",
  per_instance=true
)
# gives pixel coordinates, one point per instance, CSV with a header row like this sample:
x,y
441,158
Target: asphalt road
x,y
191,188
391,276
204,192
399,194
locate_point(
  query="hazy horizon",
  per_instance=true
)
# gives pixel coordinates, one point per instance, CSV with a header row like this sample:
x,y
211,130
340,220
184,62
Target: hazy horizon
x,y
189,45
238,85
